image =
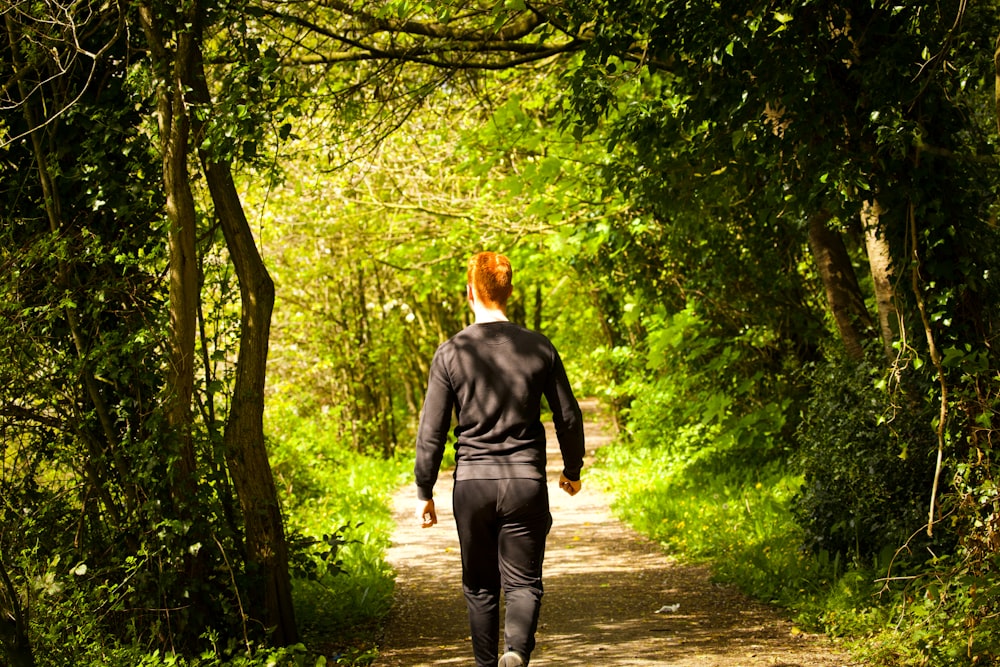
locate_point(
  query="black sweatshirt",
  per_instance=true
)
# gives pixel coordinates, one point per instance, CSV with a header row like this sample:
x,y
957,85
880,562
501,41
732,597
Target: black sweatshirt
x,y
493,375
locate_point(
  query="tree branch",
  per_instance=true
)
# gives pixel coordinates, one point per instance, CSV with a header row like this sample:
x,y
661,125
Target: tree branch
x,y
523,26
464,42
115,13
23,415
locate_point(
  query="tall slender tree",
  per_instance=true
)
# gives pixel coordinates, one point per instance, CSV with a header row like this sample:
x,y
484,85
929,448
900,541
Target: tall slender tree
x,y
176,35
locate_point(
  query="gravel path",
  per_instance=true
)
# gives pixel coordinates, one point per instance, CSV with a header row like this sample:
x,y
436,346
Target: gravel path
x,y
605,592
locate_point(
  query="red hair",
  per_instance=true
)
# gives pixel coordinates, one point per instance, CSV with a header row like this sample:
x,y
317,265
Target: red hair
x,y
490,275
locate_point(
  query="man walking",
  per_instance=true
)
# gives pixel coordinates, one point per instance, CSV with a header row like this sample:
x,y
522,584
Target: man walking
x,y
492,375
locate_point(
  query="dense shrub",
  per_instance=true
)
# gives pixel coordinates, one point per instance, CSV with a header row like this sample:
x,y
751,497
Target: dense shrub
x,y
867,465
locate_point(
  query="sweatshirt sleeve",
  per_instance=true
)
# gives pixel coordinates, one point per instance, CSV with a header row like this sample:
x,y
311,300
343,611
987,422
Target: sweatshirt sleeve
x,y
568,420
435,420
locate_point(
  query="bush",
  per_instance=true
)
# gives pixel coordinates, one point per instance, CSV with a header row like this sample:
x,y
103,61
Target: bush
x,y
867,464
338,514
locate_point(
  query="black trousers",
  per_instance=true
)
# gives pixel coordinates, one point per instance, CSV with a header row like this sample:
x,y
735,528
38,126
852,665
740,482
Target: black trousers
x,y
502,526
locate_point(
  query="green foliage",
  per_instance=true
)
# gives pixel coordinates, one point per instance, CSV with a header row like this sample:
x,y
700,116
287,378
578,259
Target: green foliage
x,y
82,321
338,505
876,581
738,519
652,194
699,385
868,466
788,100
72,615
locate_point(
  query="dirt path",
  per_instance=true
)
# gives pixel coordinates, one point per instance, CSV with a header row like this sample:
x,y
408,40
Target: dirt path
x,y
605,590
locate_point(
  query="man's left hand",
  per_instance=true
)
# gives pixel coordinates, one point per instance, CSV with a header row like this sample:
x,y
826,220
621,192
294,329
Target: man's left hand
x,y
426,513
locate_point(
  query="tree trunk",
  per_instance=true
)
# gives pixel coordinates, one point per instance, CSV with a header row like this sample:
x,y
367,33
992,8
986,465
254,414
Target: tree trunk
x,y
843,293
174,127
996,83
243,438
537,315
14,643
880,261
620,403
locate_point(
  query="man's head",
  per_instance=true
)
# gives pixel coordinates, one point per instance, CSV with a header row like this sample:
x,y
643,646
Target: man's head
x,y
489,276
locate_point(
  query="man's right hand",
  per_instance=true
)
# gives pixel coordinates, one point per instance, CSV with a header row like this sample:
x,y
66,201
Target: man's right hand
x,y
569,486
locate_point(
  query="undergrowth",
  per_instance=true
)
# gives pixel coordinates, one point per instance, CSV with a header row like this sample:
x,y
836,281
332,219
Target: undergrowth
x,y
895,609
339,517
337,506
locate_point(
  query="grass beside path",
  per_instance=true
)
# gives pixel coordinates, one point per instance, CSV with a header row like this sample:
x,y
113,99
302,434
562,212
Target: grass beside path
x,y
739,523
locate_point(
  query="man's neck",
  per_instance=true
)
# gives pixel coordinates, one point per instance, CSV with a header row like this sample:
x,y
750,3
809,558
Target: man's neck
x,y
486,314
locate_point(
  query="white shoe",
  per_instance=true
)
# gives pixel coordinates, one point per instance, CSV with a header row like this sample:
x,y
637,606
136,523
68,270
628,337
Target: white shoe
x,y
511,659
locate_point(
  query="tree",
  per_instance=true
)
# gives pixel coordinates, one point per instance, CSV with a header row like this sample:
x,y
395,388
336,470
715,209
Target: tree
x,y
182,87
142,474
843,292
801,107
856,129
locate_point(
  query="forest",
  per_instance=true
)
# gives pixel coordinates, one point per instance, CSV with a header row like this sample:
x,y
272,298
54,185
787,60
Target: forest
x,y
763,236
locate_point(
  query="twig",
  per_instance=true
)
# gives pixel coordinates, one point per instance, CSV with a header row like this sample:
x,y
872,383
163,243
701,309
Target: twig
x,y
936,360
239,600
